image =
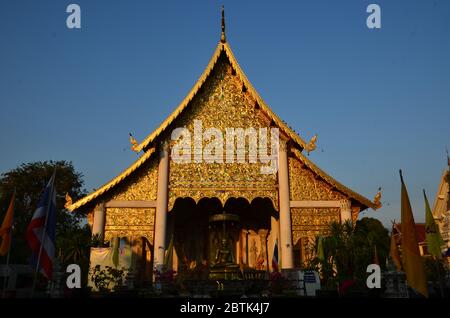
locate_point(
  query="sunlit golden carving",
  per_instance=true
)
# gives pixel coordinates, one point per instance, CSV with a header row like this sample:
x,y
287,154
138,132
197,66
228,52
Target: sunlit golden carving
x,y
305,186
377,198
235,109
311,146
133,143
140,186
312,222
129,222
114,182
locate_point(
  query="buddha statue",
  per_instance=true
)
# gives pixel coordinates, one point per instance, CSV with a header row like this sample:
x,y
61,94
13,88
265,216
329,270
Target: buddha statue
x,y
224,255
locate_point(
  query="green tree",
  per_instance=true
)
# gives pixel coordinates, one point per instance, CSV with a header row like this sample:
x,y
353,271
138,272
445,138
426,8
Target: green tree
x,y
376,235
29,180
349,249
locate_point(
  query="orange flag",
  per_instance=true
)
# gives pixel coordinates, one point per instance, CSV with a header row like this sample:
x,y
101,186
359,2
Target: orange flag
x,y
5,230
412,261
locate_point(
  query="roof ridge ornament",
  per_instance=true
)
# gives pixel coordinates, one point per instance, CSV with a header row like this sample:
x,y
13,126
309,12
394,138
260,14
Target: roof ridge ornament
x,y
311,146
222,36
377,198
134,143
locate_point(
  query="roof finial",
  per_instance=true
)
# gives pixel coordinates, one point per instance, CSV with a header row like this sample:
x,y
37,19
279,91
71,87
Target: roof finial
x,y
222,37
448,157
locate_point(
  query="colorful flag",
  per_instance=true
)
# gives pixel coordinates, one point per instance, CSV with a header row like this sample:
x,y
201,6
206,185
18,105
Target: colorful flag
x,y
40,233
433,236
275,257
5,229
412,261
394,249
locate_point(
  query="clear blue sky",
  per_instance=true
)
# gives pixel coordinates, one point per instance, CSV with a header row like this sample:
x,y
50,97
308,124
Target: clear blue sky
x,y
378,99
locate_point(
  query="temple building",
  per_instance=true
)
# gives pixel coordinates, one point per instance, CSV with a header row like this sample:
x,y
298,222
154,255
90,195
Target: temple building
x,y
441,210
158,202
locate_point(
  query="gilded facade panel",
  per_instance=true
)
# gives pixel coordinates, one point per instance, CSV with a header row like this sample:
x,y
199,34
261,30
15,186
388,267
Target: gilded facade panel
x,y
312,221
304,185
142,185
129,222
221,104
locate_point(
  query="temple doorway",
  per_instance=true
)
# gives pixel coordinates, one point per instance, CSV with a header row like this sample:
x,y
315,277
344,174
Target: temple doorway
x,y
196,239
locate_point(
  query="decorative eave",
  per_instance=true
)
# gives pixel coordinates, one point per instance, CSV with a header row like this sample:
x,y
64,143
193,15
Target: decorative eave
x,y
223,46
108,186
365,203
440,201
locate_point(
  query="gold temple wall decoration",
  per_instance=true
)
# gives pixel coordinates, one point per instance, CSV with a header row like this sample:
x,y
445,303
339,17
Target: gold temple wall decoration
x,y
114,183
126,222
305,186
140,186
222,195
220,104
330,188
312,222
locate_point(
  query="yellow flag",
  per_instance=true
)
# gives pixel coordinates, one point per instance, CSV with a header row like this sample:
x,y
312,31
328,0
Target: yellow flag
x,y
412,261
5,230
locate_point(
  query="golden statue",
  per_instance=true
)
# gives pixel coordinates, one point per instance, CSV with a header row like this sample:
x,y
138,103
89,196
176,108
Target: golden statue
x,y
377,198
133,142
311,146
68,201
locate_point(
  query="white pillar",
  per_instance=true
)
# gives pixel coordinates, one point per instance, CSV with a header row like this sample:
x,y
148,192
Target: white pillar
x,y
161,207
287,259
346,210
273,237
98,225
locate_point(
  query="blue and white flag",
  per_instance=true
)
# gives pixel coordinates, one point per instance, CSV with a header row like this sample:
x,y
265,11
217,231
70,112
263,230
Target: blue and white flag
x,y
41,231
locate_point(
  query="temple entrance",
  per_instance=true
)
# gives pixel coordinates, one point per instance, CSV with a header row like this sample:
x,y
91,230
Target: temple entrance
x,y
201,238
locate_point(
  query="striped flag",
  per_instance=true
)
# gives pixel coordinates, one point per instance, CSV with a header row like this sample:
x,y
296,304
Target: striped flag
x,y
275,257
41,231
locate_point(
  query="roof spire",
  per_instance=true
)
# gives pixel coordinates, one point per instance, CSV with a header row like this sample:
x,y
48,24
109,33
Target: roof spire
x,y
448,157
222,37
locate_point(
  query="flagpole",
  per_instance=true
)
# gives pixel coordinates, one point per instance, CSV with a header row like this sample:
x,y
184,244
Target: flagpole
x,y
441,288
6,280
50,201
